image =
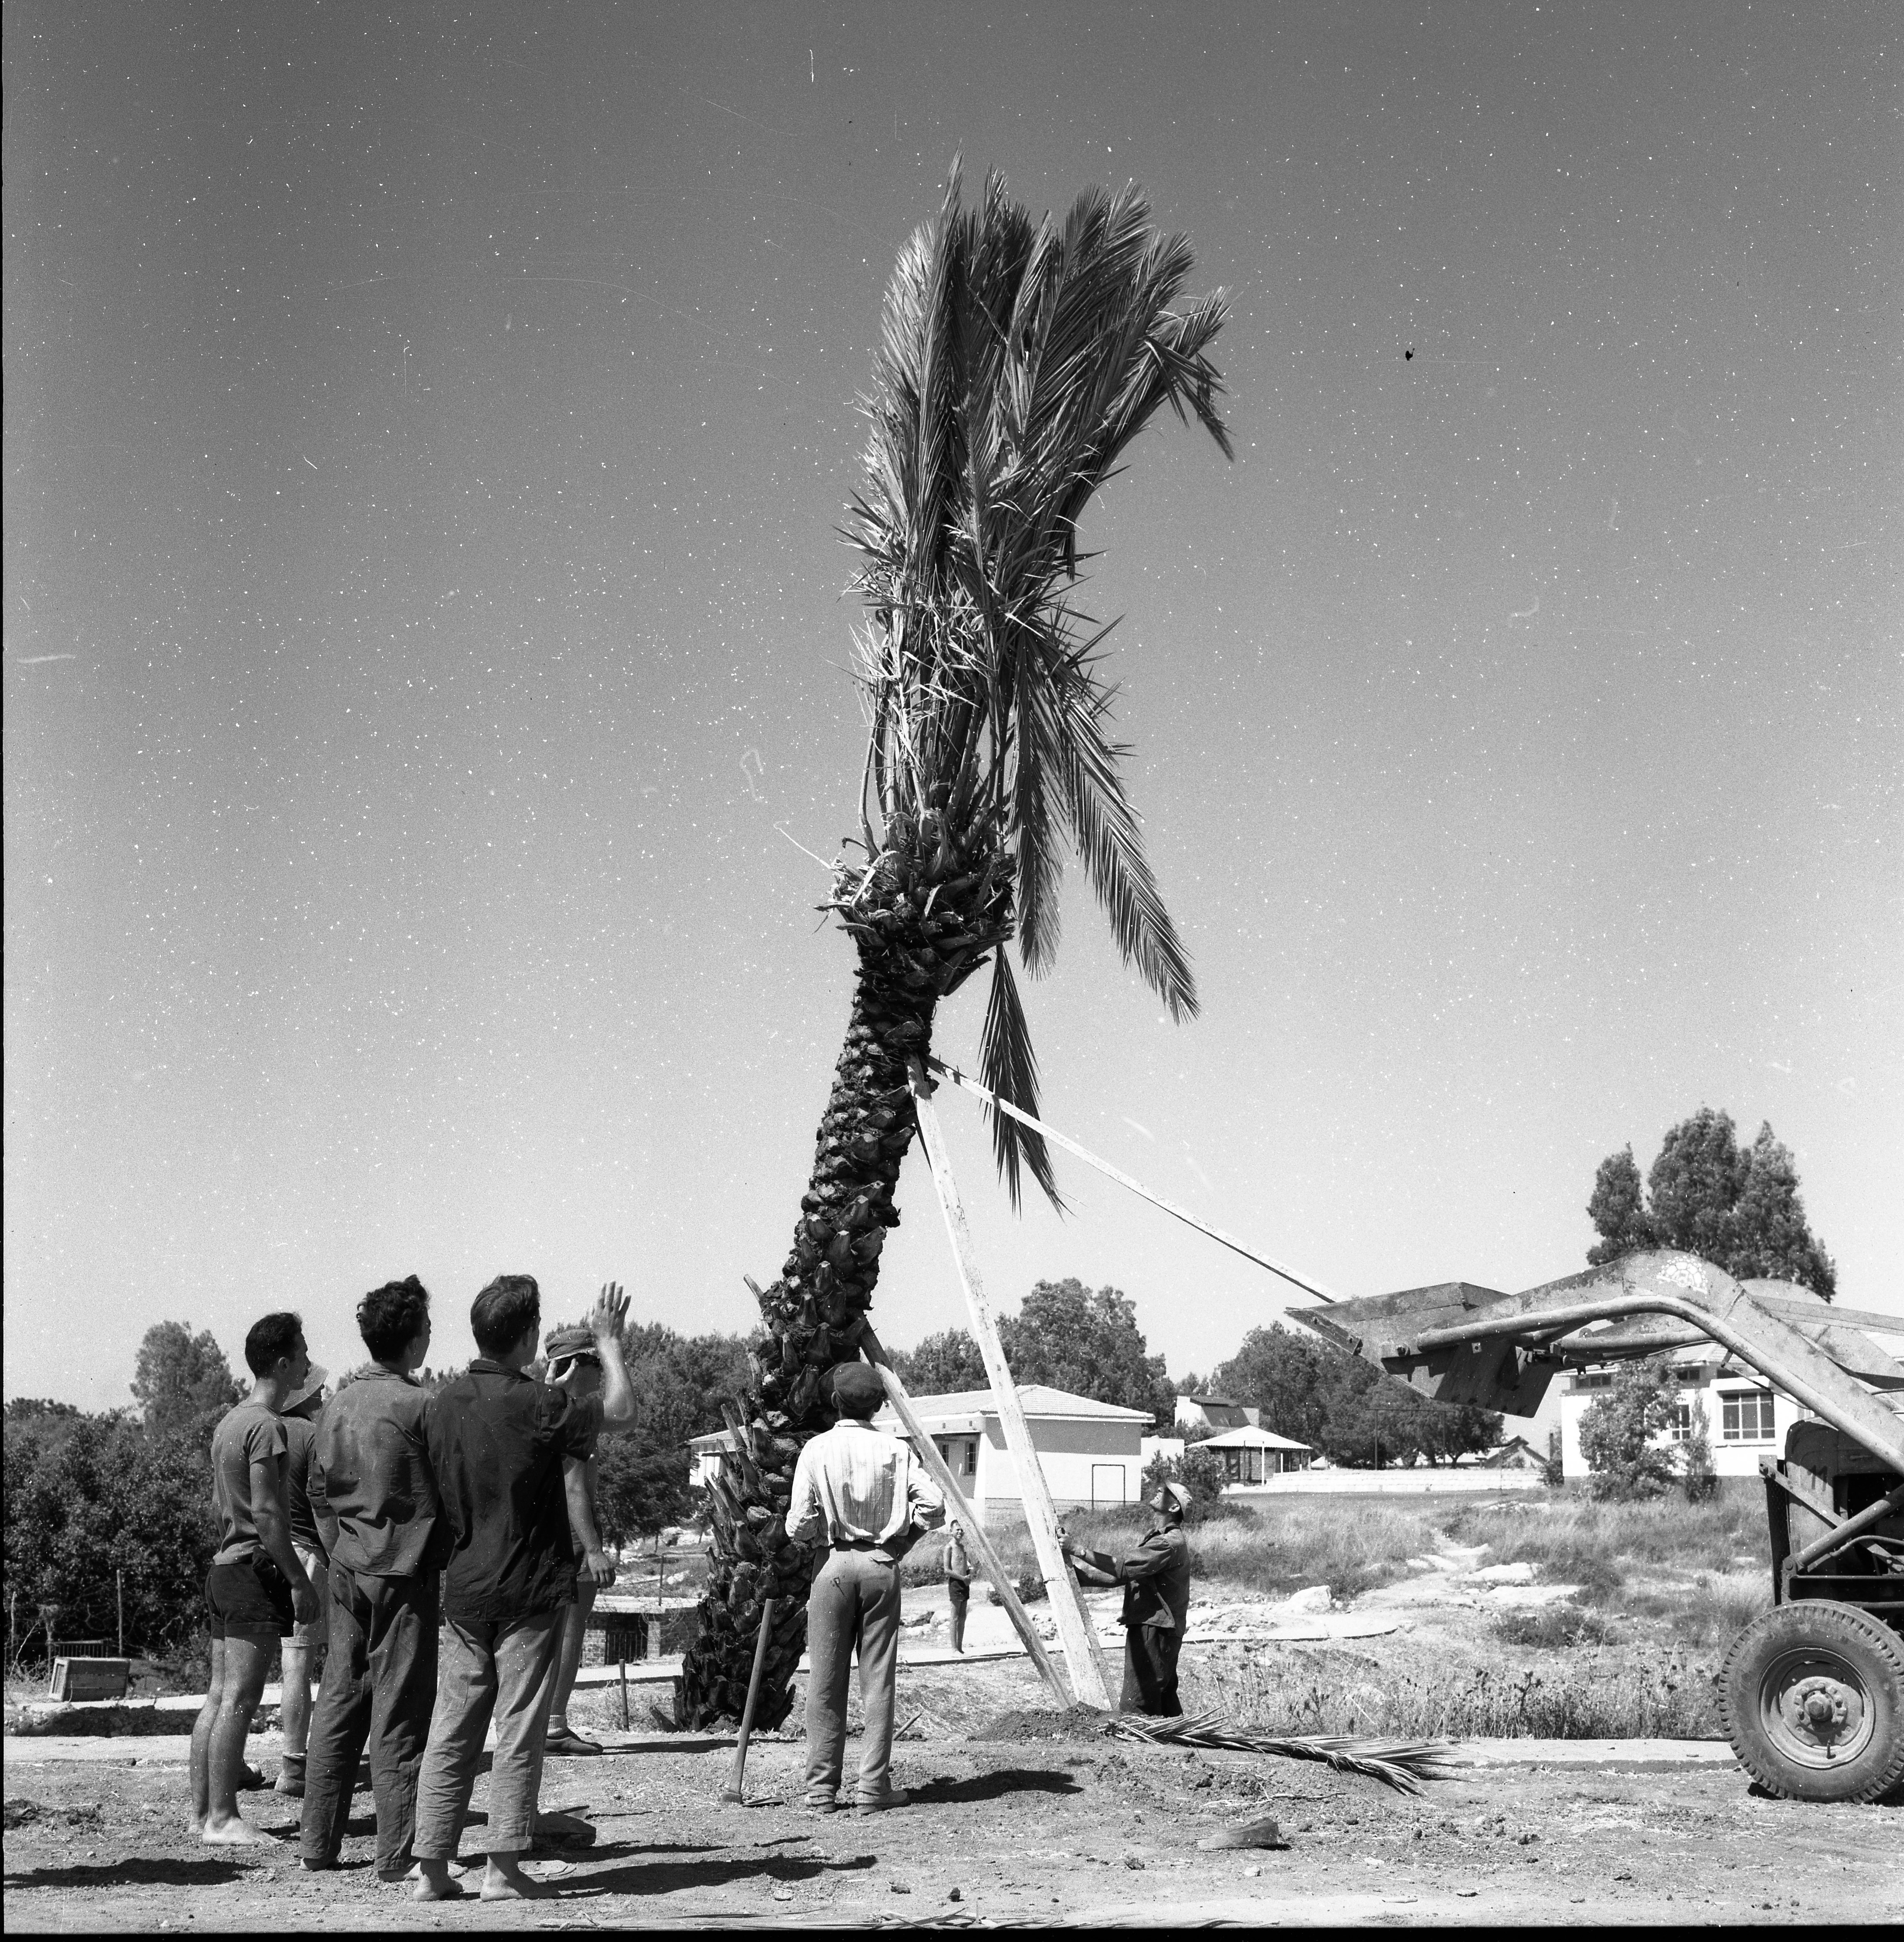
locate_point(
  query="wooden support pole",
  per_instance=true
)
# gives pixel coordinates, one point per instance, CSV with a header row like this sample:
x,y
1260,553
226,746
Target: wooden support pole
x,y
1090,1678
941,1474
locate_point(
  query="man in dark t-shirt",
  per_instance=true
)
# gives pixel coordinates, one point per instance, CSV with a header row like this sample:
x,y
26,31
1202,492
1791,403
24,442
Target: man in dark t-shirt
x,y
498,1440
303,1652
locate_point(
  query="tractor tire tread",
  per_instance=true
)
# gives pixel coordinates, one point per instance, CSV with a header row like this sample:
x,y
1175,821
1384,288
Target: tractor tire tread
x,y
1824,1617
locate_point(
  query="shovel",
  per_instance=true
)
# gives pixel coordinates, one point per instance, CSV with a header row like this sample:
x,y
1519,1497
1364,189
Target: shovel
x,y
736,1787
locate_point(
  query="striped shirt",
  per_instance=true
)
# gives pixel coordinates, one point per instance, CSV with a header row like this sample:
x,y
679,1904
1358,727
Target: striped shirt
x,y
855,1485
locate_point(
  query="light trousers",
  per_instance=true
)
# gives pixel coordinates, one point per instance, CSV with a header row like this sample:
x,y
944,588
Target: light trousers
x,y
504,1670
854,1601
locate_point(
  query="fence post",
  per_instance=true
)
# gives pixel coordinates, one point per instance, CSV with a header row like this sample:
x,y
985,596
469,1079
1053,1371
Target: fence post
x,y
119,1589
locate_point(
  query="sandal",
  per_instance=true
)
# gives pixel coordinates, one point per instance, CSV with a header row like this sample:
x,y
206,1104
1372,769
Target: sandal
x,y
567,1743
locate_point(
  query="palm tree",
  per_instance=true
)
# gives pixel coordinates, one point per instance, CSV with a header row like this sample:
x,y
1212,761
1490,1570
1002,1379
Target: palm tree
x,y
1017,361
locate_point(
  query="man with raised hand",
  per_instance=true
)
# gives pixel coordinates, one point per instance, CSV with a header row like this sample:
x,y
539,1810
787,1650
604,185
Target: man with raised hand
x,y
498,1441
1156,1579
863,1495
570,1355
256,1591
375,1497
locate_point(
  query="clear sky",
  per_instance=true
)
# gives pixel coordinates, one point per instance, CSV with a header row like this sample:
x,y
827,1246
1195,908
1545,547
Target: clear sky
x,y
425,627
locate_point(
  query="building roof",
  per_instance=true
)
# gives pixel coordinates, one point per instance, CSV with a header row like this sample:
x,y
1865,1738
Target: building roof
x,y
1221,1401
1248,1438
1035,1399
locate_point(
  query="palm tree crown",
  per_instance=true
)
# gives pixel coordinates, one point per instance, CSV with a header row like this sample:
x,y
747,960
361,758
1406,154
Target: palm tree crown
x,y
1017,361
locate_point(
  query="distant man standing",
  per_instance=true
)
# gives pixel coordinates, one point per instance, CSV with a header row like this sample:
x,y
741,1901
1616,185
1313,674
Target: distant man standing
x,y
958,1581
303,1652
497,1442
256,1591
374,1495
1156,1580
863,1495
570,1355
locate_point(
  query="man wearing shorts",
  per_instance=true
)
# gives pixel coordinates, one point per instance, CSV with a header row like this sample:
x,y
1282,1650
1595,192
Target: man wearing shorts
x,y
572,1362
256,1590
303,1652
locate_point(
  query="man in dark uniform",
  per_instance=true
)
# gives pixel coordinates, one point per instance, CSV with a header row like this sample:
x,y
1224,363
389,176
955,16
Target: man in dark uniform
x,y
1156,1580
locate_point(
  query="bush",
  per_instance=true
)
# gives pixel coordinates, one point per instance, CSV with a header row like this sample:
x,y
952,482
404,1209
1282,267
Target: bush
x,y
1619,1432
1701,1481
1201,1472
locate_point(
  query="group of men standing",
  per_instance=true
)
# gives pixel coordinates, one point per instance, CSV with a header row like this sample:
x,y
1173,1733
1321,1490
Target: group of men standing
x,y
440,1550
443,1547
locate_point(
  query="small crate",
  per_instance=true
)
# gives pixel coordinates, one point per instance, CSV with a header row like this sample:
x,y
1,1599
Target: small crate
x,y
82,1676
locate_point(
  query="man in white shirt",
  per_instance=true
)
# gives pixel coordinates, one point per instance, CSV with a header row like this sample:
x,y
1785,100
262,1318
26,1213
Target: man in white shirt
x,y
860,1492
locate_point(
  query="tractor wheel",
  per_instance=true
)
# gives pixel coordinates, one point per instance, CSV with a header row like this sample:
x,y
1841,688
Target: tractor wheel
x,y
1812,1696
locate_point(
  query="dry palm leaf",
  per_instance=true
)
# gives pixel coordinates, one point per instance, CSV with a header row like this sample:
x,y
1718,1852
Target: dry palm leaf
x,y
1403,1764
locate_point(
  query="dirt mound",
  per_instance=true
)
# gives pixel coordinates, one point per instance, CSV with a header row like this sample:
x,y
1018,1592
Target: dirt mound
x,y
1074,1723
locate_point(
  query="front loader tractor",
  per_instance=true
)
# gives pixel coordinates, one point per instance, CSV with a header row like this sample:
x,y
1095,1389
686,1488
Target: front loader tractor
x,y
1812,1692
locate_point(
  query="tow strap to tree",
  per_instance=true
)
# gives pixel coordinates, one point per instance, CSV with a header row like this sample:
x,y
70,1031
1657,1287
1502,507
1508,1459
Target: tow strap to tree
x,y
1306,1283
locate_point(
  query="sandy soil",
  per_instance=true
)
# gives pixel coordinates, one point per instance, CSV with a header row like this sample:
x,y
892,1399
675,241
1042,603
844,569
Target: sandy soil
x,y
1030,1829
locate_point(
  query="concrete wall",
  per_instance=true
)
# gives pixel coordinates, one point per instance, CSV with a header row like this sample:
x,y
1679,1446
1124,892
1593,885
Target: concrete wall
x,y
1083,1463
1462,1481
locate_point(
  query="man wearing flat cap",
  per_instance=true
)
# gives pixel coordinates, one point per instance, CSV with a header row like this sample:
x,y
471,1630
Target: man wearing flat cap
x,y
570,1356
863,1494
1156,1580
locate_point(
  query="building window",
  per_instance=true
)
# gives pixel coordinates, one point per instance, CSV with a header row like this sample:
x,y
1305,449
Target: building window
x,y
1598,1381
1682,1421
1746,1416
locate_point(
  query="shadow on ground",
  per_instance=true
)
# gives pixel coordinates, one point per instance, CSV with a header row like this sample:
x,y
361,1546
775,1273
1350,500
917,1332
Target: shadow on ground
x,y
991,1787
132,1873
667,1877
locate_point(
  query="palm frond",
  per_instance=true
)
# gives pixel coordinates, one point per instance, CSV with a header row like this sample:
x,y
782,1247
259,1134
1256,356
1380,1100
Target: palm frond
x,y
1110,838
1009,1068
1402,1764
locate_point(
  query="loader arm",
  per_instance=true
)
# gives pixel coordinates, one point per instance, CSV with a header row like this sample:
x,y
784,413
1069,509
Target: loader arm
x,y
1459,1343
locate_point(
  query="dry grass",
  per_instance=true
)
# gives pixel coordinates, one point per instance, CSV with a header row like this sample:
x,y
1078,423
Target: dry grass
x,y
1442,1689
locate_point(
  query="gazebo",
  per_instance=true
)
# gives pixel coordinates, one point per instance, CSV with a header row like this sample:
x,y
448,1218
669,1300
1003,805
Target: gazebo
x,y
1252,1456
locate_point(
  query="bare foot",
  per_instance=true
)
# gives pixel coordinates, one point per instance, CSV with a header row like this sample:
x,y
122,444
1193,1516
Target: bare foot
x,y
510,1884
434,1884
235,1832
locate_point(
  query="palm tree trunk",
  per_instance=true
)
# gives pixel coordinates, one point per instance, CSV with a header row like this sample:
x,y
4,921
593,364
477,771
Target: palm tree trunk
x,y
923,919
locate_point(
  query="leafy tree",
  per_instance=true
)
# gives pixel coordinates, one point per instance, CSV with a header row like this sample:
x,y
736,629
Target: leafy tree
x,y
88,1497
943,1365
1337,1404
1068,1338
1698,1473
1017,362
1064,1336
182,1381
680,1383
1620,1429
1738,1208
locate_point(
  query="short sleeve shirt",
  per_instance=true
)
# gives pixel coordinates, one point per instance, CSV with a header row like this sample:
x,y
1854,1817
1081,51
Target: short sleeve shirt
x,y
497,1440
300,1434
249,1434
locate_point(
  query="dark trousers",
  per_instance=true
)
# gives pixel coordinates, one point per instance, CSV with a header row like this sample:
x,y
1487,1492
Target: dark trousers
x,y
379,1685
959,1590
1149,1671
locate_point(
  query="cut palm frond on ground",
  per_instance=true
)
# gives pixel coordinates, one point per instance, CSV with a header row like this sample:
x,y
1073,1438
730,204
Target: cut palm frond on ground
x,y
1403,1764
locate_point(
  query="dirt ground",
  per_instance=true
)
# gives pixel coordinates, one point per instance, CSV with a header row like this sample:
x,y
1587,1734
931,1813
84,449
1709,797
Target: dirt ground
x,y
1028,1829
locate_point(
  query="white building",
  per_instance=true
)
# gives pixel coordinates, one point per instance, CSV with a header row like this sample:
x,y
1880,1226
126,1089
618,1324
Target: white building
x,y
1254,1456
1090,1451
1745,1417
1215,1412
